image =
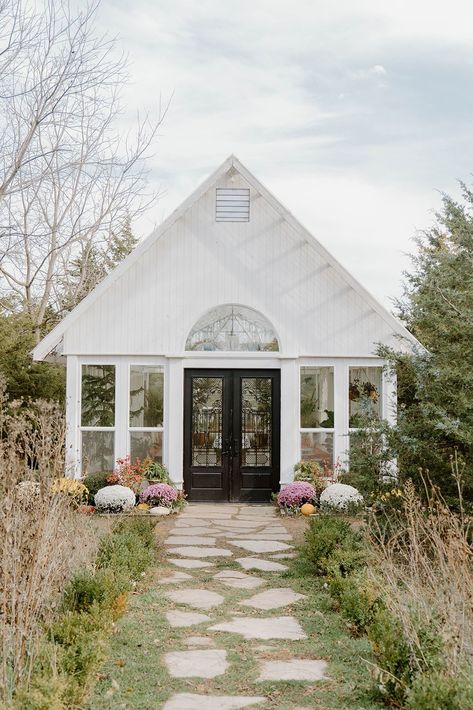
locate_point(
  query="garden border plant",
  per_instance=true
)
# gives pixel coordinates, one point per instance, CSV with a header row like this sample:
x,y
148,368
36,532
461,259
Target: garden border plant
x,y
75,643
409,586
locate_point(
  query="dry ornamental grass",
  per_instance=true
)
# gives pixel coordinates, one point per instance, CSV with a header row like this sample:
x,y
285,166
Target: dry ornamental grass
x,y
41,538
426,570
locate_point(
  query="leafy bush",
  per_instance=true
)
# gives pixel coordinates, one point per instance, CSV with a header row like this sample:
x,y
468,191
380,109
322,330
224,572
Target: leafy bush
x,y
127,474
392,654
440,692
92,601
101,588
356,598
80,638
128,548
310,472
94,482
398,665
155,471
333,547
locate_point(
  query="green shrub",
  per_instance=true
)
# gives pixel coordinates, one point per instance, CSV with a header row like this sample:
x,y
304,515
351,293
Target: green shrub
x,y
400,661
439,692
75,644
332,547
356,599
100,588
129,548
94,482
81,639
392,655
157,472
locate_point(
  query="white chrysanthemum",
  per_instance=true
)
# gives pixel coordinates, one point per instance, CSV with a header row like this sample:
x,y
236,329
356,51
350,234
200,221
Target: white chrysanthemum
x,y
340,496
114,499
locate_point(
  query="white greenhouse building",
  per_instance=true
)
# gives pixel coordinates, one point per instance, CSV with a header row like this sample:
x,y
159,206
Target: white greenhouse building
x,y
228,345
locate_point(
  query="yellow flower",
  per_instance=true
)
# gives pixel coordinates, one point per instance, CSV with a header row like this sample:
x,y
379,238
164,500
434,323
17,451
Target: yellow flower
x,y
74,488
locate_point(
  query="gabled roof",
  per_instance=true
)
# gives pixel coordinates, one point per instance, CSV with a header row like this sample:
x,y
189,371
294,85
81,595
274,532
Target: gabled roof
x,y
52,342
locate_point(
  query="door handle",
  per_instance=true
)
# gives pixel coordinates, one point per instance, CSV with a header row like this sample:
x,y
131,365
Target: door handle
x,y
236,447
227,451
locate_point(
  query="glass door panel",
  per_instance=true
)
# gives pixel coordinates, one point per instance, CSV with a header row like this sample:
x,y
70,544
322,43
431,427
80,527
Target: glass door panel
x,y
207,420
256,421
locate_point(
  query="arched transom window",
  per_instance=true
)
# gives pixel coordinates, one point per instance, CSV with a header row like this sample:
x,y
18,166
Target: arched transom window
x,y
233,328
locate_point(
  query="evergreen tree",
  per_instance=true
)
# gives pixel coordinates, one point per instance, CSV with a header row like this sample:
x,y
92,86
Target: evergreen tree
x,y
26,380
435,388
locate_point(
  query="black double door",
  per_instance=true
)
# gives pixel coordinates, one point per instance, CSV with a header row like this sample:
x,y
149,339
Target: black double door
x,y
231,434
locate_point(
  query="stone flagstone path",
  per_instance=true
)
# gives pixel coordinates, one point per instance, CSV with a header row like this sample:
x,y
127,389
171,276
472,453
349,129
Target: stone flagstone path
x,y
205,537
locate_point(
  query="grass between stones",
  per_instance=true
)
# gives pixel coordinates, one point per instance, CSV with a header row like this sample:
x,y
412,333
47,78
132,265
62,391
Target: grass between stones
x,y
135,678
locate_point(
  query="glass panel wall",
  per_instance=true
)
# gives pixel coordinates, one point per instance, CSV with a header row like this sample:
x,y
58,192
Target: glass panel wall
x,y
146,412
146,396
317,414
146,445
317,446
98,396
97,418
97,451
317,398
364,395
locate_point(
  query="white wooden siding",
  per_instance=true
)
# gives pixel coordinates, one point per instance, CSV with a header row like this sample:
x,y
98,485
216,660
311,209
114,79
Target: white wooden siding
x,y
200,263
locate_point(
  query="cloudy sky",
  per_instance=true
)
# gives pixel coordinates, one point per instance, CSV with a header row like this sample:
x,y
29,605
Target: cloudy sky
x,y
355,114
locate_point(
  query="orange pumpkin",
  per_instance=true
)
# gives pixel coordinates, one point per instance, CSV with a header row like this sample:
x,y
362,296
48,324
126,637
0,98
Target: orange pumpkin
x,y
308,509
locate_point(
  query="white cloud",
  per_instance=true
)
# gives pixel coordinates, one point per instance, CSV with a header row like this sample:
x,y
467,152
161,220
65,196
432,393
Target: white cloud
x,y
332,105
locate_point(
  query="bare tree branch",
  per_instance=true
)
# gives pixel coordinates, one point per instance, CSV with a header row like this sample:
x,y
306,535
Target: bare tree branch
x,y
68,180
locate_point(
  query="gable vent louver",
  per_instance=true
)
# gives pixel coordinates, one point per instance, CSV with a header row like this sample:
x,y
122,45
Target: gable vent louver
x,y
232,204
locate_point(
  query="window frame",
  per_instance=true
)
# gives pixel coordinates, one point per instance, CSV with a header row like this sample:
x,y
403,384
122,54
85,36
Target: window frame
x,y
317,430
85,428
132,430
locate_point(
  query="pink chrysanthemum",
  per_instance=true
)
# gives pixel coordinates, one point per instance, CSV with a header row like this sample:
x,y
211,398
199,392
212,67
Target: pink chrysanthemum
x,y
296,494
159,494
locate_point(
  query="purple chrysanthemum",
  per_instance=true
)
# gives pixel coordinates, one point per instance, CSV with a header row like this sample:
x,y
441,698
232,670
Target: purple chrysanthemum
x,y
159,494
296,494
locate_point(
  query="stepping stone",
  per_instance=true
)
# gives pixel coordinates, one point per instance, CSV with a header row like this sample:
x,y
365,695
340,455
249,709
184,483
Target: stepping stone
x,y
239,580
185,618
194,531
191,701
196,664
275,627
272,598
263,565
295,669
262,536
189,540
199,598
240,524
189,523
260,545
190,564
199,641
247,510
201,551
175,577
